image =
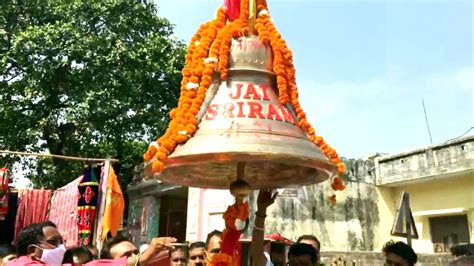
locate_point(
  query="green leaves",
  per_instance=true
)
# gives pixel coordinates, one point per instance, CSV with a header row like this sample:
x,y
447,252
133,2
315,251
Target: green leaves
x,y
89,78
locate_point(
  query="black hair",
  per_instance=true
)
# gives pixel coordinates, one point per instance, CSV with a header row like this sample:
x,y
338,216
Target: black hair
x,y
277,247
310,238
401,249
111,242
68,259
90,248
6,250
82,252
301,249
183,248
199,244
211,235
462,250
31,235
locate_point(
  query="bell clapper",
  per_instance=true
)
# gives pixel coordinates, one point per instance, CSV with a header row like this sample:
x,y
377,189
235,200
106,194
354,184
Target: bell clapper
x,y
240,190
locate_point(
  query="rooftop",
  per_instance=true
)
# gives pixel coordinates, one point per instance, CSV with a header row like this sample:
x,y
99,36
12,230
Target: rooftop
x,y
444,160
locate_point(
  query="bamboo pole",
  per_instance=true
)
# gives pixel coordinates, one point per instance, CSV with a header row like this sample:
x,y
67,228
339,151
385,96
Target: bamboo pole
x,y
73,158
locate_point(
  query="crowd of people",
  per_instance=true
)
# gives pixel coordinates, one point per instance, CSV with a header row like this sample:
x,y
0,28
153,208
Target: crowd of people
x,y
42,243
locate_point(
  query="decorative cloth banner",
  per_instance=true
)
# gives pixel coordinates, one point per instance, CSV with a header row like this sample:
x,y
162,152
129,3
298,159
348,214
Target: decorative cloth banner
x,y
33,208
63,211
86,207
3,193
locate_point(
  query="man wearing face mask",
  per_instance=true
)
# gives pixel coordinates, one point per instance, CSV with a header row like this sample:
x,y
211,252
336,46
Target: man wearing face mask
x,y
39,243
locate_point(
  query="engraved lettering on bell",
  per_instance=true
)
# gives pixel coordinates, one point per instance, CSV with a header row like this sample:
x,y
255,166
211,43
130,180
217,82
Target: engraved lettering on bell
x,y
242,122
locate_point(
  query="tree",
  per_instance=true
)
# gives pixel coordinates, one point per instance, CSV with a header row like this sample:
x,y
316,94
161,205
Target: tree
x,y
85,78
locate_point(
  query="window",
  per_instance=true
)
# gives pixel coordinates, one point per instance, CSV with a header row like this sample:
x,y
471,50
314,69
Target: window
x,y
449,230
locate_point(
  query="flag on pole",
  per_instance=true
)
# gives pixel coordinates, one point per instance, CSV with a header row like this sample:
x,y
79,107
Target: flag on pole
x,y
114,206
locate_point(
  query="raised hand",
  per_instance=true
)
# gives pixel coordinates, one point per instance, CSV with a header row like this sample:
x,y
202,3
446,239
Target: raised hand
x,y
266,197
163,242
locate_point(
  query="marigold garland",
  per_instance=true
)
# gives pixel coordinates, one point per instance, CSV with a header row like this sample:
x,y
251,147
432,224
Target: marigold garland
x,y
208,52
237,211
221,259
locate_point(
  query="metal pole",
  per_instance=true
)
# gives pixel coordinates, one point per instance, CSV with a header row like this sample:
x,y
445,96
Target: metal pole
x,y
408,218
74,158
426,119
240,170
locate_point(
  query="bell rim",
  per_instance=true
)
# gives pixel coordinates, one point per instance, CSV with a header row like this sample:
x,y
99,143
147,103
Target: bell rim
x,y
322,169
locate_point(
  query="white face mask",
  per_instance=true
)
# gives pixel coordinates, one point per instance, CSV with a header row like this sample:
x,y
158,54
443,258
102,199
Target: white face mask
x,y
54,256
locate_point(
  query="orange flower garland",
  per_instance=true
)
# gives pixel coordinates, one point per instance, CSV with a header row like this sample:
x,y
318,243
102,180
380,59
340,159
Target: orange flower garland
x,y
208,52
196,80
237,211
286,82
234,212
221,259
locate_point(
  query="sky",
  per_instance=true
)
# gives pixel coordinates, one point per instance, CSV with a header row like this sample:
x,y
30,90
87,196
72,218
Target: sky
x,y
363,67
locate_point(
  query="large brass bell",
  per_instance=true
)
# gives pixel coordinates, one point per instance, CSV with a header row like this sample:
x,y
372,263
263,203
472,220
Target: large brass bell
x,y
245,133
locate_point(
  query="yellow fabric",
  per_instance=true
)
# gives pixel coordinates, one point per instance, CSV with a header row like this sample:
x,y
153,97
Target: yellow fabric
x,y
252,9
252,14
114,206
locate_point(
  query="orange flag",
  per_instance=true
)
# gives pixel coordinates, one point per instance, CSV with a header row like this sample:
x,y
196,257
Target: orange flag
x,y
114,206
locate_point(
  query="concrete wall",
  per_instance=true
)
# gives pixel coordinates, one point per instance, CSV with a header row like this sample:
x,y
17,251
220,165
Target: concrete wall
x,y
349,225
442,197
442,160
358,258
439,179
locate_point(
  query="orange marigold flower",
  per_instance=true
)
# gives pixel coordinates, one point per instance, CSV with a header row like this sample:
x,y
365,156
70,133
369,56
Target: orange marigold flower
x,y
168,144
158,166
340,167
161,156
337,180
146,156
179,138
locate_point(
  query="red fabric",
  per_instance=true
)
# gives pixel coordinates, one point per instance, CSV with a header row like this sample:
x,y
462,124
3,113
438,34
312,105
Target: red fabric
x,y
33,208
3,193
3,180
63,212
279,238
24,260
232,9
238,254
230,242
